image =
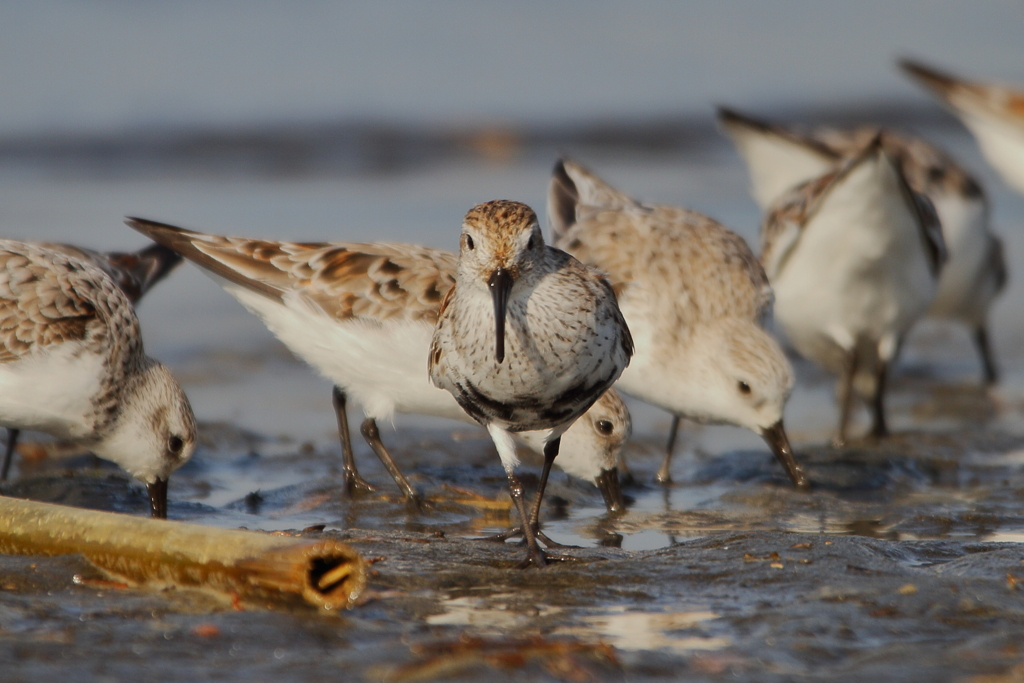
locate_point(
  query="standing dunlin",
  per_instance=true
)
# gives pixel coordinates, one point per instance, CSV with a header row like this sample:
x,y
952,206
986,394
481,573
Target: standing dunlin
x,y
993,113
134,272
526,340
975,272
363,315
695,298
854,258
72,365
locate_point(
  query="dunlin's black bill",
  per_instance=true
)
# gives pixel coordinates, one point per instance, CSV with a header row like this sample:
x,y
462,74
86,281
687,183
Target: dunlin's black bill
x,y
501,286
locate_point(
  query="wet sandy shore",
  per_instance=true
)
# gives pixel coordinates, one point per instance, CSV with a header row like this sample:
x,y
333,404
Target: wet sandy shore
x,y
902,563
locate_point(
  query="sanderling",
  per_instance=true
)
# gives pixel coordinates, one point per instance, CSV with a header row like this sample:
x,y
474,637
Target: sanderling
x,y
694,296
854,258
363,315
527,338
134,272
993,113
975,272
72,365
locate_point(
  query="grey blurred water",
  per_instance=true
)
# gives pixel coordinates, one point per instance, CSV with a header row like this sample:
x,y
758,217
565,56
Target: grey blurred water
x,y
114,64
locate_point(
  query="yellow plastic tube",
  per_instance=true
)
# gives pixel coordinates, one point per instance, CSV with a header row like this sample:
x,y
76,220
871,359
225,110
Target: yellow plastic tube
x,y
144,551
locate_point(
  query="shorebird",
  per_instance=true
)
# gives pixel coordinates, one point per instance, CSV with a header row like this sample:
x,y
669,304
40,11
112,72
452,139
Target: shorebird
x,y
854,258
363,316
993,113
975,272
72,365
526,340
694,296
134,272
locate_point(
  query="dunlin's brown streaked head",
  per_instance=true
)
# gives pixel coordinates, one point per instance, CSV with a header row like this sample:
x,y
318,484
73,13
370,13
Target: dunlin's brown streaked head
x,y
500,241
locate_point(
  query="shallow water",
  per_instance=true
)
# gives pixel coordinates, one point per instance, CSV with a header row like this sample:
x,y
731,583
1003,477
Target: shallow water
x,y
902,559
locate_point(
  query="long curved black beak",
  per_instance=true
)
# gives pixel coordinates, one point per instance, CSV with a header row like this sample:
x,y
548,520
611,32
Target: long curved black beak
x,y
158,498
501,286
608,482
779,443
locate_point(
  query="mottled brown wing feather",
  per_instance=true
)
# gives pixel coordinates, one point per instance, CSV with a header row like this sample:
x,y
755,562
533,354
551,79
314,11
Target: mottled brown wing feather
x,y
635,245
181,241
40,305
705,269
381,282
134,272
927,168
345,280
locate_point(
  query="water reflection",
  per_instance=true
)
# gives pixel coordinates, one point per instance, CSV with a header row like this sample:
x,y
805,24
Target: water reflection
x,y
628,629
496,614
624,628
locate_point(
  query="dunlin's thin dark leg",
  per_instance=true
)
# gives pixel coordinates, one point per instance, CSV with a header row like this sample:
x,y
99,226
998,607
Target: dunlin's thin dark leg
x,y
988,361
534,555
12,441
550,453
372,436
353,482
879,429
846,397
664,475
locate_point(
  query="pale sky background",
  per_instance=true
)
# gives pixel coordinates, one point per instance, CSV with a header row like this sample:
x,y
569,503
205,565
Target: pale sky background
x,y
107,65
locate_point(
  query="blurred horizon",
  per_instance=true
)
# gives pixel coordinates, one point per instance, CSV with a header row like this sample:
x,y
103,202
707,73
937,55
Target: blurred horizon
x,y
84,68
230,88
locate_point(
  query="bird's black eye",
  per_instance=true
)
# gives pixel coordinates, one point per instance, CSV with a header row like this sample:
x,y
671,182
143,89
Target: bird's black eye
x,y
605,427
469,243
744,387
532,242
175,444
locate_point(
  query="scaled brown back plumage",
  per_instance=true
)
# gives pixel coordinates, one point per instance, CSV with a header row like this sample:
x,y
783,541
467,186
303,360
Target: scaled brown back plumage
x,y
345,280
